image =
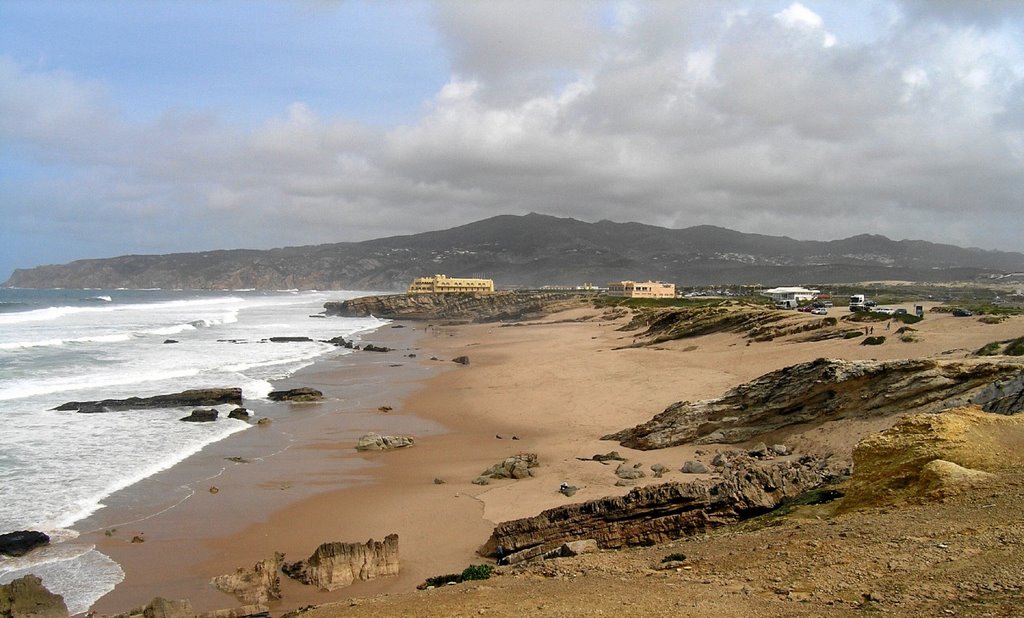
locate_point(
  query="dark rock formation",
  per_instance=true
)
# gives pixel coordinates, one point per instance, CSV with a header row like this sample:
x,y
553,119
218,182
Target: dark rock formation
x,y
290,340
184,399
827,389
469,307
21,542
170,341
26,597
340,341
299,395
160,607
260,584
376,442
660,513
334,565
239,413
373,348
462,360
201,416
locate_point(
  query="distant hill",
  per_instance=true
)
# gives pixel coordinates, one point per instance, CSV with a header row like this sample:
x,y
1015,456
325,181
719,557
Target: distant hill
x,y
533,250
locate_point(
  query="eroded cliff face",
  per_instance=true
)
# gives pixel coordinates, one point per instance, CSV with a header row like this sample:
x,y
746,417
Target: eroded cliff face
x,y
660,513
456,307
335,565
828,389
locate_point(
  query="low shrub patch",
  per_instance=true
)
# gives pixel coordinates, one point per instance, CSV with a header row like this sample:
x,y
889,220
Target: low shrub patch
x,y
877,340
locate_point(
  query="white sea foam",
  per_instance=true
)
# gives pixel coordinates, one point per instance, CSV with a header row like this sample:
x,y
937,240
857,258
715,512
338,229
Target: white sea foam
x,y
82,575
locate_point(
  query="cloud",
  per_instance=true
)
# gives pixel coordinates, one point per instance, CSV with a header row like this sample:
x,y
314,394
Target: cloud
x,y
668,113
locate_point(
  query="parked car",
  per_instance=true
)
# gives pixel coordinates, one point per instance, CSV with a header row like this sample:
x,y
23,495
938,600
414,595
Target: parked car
x,y
884,310
805,308
819,311
960,312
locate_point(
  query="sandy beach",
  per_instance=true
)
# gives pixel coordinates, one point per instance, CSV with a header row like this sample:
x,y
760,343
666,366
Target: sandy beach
x,y
550,387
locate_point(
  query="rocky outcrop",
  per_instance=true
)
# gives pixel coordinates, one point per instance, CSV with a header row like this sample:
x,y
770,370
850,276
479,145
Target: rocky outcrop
x,y
827,389
929,455
660,513
160,607
185,399
296,395
21,542
201,416
334,565
469,307
376,442
27,597
258,585
515,467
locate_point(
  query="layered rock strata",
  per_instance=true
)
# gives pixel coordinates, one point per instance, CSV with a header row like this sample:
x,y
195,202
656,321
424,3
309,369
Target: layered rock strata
x,y
469,307
258,585
185,399
659,513
335,565
376,442
828,389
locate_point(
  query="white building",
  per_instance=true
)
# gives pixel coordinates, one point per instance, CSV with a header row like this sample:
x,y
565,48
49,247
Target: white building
x,y
790,293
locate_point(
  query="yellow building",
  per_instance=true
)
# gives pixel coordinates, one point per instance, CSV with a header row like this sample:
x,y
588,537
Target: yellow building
x,y
443,284
647,289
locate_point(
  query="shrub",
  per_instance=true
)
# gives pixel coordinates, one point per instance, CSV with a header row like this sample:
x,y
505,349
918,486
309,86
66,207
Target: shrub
x,y
477,571
852,334
992,319
989,349
676,557
1015,347
830,321
907,318
877,340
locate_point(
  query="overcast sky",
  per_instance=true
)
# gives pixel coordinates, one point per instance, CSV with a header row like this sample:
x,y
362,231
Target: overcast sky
x,y
161,126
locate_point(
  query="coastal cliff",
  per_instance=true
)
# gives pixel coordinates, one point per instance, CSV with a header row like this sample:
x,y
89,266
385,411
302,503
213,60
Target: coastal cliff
x,y
456,307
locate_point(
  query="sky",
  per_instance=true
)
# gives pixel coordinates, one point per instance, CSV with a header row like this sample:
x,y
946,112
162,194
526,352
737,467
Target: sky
x,y
159,126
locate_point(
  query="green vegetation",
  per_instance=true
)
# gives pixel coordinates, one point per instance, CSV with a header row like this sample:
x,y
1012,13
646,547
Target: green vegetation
x,y
1015,347
852,334
674,557
876,340
471,573
602,302
990,349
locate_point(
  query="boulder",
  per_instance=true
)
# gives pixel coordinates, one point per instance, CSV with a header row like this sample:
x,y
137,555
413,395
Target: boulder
x,y
170,341
257,585
374,348
334,565
296,395
185,399
341,342
245,611
26,597
290,340
515,467
578,548
160,607
694,467
759,450
376,442
629,473
21,542
658,470
239,413
779,449
201,416
462,360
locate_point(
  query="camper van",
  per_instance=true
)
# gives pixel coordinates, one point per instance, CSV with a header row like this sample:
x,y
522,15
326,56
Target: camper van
x,y
786,304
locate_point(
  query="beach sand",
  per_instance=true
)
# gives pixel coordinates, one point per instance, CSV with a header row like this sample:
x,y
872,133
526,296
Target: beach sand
x,y
556,384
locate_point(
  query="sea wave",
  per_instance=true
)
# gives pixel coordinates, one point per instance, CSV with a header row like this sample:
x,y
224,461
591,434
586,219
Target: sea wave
x,y
60,384
55,313
79,573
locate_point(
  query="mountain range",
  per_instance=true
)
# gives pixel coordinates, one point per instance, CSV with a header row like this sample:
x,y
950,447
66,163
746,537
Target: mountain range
x,y
535,250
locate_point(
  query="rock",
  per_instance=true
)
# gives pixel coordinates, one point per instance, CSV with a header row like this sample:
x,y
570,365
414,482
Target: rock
x,y
245,611
385,409
214,489
264,422
201,416
694,467
625,483
290,340
341,342
138,538
239,413
376,442
170,341
297,395
515,467
953,446
719,460
658,470
258,585
26,597
372,348
779,449
481,480
568,490
21,542
759,450
629,473
578,548
468,307
334,565
184,399
660,513
829,389
462,360
166,608
439,481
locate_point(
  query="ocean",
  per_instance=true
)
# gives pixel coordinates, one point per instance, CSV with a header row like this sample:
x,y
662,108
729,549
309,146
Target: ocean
x,y
56,346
